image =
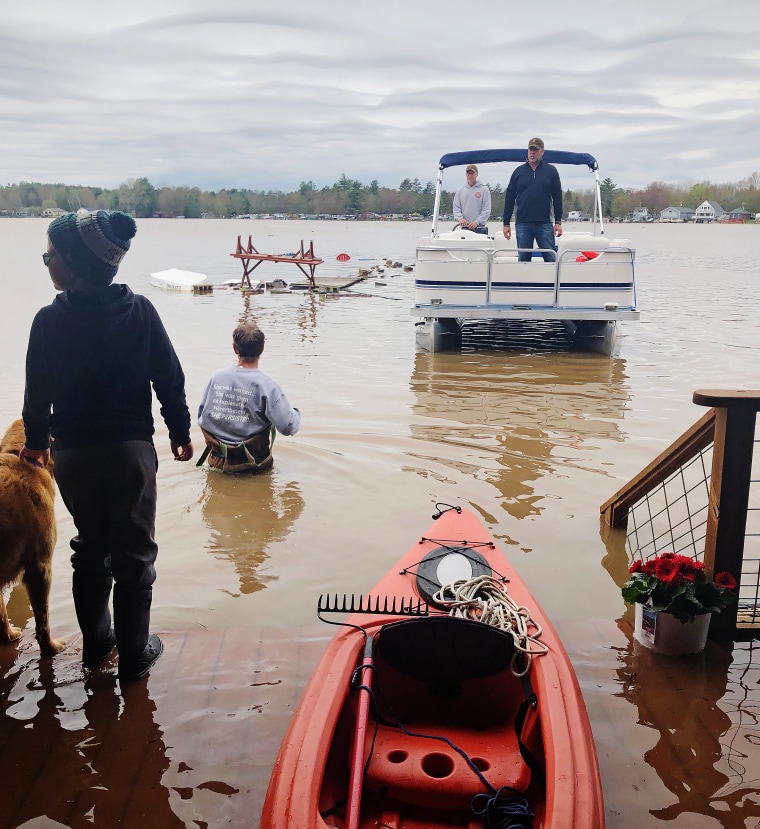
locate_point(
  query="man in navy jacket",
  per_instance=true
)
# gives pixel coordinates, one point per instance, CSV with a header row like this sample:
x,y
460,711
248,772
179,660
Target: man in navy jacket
x,y
536,189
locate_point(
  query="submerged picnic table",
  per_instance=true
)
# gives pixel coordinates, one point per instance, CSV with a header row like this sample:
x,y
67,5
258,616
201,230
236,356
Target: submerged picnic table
x,y
302,258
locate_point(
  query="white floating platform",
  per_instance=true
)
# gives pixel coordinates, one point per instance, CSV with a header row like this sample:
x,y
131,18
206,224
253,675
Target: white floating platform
x,y
175,279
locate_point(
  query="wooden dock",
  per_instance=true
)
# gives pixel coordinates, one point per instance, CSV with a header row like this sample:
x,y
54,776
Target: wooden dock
x,y
192,744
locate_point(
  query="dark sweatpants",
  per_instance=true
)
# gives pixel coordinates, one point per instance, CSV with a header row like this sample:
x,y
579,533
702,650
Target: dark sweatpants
x,y
110,491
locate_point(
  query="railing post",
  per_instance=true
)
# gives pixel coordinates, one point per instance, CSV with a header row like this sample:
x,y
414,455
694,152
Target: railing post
x,y
735,415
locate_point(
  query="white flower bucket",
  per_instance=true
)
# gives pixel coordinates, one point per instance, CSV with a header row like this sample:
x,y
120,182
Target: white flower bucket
x,y
663,633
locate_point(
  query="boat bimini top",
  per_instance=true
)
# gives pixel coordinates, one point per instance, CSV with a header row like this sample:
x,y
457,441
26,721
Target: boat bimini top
x,y
516,157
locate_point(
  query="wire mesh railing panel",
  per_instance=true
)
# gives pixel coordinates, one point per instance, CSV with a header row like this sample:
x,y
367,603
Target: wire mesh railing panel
x,y
749,585
673,518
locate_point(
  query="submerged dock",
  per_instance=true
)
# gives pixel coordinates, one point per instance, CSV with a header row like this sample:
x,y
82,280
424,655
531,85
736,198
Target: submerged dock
x,y
329,284
193,744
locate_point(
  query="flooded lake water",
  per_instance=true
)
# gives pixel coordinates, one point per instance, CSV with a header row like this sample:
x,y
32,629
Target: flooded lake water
x,y
530,435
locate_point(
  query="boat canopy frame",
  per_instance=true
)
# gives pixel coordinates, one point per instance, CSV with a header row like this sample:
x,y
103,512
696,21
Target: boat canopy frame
x,y
518,156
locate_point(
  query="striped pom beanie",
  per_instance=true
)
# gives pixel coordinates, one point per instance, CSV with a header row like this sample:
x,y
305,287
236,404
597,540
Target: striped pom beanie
x,y
93,244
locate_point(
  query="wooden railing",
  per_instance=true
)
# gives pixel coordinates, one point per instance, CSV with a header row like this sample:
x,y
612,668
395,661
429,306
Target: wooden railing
x,y
730,427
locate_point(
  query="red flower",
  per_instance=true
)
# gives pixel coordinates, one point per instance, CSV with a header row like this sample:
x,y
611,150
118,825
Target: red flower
x,y
636,567
668,571
688,567
649,567
725,580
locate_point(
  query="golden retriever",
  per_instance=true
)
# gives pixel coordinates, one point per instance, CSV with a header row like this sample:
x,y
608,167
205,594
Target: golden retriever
x,y
27,536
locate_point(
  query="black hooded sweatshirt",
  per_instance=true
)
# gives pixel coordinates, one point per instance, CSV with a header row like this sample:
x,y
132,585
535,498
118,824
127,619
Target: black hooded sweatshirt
x,y
90,364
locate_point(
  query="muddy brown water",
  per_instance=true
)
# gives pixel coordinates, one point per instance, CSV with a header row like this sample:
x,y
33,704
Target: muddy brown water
x,y
530,435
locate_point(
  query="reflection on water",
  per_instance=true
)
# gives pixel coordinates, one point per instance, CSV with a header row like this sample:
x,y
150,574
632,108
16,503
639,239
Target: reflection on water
x,y
104,751
705,710
616,562
511,420
246,515
304,315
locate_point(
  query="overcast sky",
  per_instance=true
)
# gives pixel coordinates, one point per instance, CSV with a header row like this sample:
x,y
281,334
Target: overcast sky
x,y
238,93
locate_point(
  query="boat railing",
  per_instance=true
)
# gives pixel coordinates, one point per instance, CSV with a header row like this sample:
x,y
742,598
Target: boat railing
x,y
701,498
490,256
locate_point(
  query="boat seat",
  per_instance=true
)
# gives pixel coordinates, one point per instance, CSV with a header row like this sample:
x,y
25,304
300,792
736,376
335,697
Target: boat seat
x,y
581,241
445,677
444,650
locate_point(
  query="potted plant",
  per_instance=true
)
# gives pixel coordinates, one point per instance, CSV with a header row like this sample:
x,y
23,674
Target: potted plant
x,y
674,601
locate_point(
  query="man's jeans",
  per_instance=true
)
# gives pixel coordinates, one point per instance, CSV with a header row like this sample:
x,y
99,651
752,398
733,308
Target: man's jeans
x,y
542,233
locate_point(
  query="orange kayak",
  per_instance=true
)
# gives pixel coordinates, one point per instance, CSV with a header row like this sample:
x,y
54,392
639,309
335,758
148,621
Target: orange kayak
x,y
416,719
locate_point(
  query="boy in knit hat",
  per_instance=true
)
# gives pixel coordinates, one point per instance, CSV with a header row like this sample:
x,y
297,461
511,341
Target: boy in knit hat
x,y
93,355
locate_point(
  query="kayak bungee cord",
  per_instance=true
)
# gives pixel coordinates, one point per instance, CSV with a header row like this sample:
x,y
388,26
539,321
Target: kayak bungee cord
x,y
483,599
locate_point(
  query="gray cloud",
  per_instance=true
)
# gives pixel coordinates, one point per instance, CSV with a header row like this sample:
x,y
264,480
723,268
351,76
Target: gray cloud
x,y
223,95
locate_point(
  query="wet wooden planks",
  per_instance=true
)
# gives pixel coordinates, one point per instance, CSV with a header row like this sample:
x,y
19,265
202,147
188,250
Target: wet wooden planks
x,y
192,745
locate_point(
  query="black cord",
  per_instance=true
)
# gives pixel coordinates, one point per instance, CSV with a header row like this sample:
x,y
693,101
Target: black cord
x,y
439,512
502,811
342,624
452,546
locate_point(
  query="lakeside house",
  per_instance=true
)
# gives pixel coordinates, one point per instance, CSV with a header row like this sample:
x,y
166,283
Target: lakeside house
x,y
52,212
708,211
737,216
578,216
638,214
677,214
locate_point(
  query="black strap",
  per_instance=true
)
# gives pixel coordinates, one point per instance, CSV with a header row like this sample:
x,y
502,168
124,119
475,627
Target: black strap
x,y
530,702
203,456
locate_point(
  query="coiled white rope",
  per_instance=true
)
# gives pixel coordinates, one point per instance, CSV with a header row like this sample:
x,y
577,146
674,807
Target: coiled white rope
x,y
485,599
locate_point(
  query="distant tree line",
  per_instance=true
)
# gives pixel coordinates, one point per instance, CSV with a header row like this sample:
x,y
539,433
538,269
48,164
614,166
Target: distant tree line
x,y
349,197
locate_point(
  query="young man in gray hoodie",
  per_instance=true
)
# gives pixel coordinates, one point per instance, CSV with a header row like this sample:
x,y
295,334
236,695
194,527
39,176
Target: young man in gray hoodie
x,y
241,405
472,203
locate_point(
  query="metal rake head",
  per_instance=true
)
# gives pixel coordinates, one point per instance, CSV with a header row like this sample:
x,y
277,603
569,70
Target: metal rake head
x,y
367,604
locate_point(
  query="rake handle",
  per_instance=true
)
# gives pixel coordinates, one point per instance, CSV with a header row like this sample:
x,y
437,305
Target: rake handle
x,y
356,780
